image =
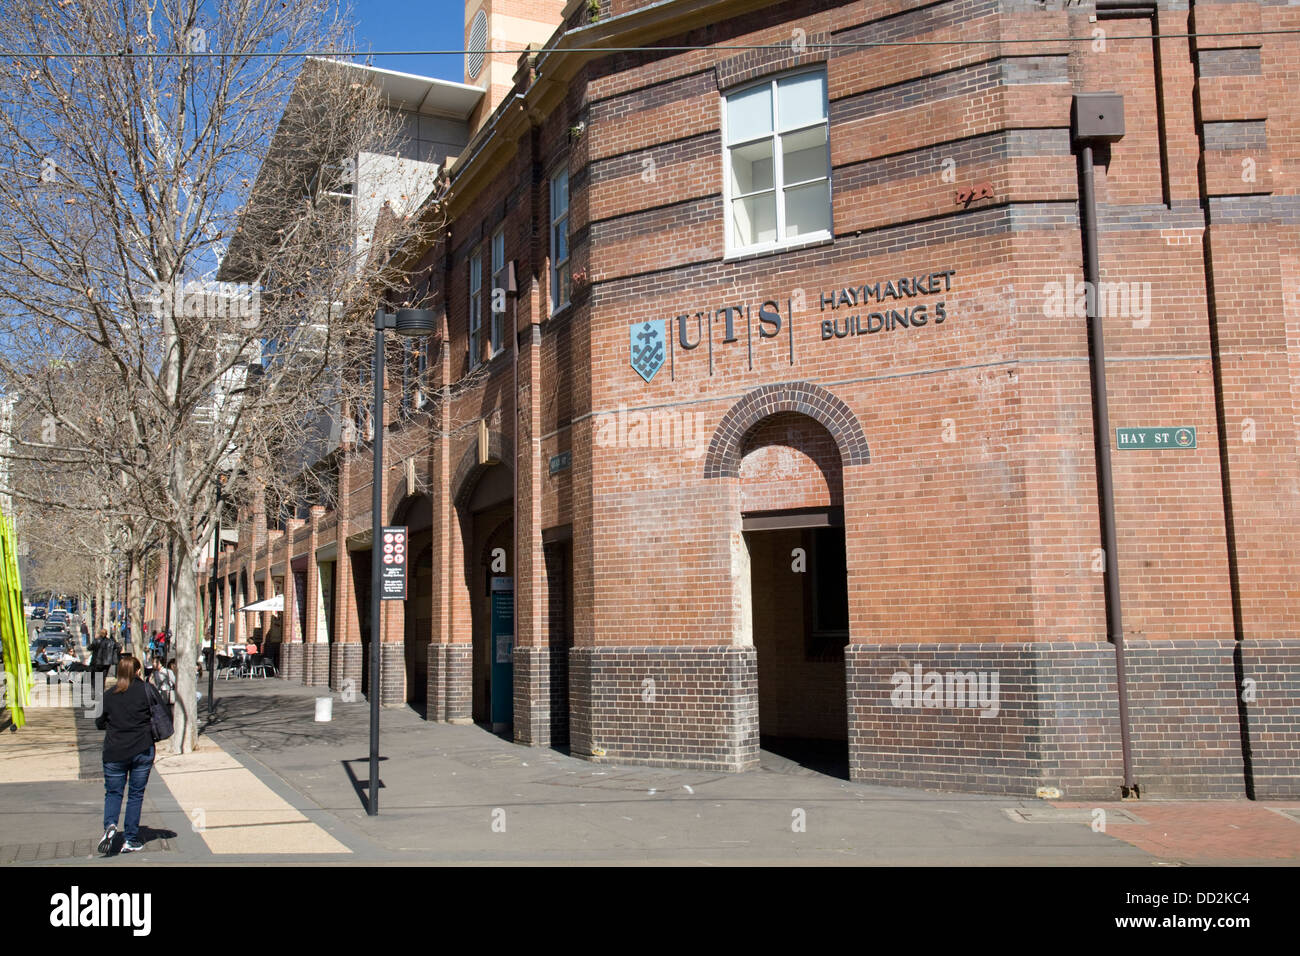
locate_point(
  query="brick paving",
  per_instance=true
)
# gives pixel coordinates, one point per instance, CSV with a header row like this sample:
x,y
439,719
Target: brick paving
x,y
1209,831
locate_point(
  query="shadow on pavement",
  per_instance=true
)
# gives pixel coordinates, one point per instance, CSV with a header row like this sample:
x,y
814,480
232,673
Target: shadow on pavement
x,y
362,787
786,754
271,721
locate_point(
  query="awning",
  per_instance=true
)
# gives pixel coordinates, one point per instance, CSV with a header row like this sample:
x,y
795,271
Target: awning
x,y
270,604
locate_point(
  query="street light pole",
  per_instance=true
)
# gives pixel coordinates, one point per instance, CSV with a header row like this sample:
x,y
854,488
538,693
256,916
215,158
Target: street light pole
x,y
409,322
376,521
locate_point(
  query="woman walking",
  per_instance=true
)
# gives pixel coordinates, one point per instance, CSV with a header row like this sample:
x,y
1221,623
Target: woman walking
x,y
128,753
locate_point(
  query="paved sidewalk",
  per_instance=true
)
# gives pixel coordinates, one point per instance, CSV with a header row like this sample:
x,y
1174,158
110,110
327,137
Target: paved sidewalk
x,y
270,785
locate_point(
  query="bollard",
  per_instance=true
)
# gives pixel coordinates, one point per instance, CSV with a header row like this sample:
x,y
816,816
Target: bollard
x,y
324,709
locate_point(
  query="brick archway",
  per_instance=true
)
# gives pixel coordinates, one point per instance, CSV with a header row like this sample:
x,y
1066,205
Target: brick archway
x,y
468,470
723,457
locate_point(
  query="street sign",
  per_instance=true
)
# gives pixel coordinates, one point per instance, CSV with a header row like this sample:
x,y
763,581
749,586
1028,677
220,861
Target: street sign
x,y
1135,439
392,572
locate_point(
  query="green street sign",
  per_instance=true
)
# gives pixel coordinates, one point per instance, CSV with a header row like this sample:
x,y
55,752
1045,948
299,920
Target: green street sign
x,y
561,461
1136,439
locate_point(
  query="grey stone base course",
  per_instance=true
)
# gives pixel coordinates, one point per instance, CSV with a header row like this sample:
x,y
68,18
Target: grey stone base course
x,y
291,662
450,676
1185,727
392,674
532,693
1056,722
1273,716
436,706
345,665
701,712
316,665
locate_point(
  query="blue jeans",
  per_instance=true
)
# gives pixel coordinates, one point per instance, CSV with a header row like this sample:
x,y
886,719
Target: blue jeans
x,y
115,774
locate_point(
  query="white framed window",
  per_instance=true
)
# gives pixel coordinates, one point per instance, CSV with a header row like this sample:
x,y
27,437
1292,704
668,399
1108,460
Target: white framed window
x,y
498,300
560,275
475,308
777,163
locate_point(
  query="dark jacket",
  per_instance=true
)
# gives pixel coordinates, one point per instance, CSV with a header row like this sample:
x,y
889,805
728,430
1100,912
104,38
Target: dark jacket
x,y
126,718
105,653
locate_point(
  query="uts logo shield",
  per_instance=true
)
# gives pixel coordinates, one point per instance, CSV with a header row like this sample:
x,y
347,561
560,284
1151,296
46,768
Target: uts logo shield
x,y
647,343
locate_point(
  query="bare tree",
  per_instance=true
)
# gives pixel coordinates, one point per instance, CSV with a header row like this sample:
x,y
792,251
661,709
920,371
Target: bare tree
x,y
138,141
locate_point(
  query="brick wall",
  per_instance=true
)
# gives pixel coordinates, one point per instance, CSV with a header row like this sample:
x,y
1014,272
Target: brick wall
x,y
1056,720
684,707
291,662
450,672
1185,726
316,665
392,674
346,661
1270,715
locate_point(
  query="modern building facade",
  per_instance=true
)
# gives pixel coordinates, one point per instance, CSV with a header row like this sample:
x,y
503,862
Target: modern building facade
x,y
764,405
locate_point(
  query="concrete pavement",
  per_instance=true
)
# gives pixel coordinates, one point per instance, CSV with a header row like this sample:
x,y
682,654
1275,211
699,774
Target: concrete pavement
x,y
270,785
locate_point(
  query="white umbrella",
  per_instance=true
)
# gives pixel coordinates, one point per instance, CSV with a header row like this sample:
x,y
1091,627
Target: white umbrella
x,y
270,604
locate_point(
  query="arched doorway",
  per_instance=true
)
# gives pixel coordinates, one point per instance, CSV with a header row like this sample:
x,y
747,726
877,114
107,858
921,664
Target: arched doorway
x,y
792,507
487,528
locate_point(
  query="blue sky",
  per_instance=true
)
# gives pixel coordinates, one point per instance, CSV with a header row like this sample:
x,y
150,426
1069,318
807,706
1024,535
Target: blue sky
x,y
413,25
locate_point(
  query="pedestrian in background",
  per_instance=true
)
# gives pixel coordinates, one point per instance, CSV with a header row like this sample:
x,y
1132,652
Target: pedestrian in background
x,y
128,753
103,658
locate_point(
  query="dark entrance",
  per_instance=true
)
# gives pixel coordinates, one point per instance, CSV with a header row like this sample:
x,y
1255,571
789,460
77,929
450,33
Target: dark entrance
x,y
487,531
801,626
558,555
360,561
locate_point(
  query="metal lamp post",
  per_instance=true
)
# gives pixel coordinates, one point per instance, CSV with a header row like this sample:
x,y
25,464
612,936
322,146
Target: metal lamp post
x,y
411,323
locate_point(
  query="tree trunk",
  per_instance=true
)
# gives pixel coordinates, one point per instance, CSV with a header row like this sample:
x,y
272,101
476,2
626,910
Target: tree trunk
x,y
133,602
184,611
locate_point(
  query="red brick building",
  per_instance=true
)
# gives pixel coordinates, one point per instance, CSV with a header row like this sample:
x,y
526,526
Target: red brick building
x,y
781,426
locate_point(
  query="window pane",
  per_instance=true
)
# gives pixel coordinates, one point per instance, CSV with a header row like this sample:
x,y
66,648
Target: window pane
x,y
807,209
749,114
560,196
498,251
562,285
801,100
751,167
755,219
803,155
562,240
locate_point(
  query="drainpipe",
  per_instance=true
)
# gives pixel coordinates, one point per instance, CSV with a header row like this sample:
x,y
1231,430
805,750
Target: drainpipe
x,y
1099,118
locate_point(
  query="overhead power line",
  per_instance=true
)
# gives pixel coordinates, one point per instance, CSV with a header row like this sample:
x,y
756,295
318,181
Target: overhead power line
x,y
860,45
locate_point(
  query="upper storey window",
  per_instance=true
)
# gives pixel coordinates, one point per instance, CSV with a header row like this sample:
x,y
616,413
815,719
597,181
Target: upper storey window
x,y
777,176
560,275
